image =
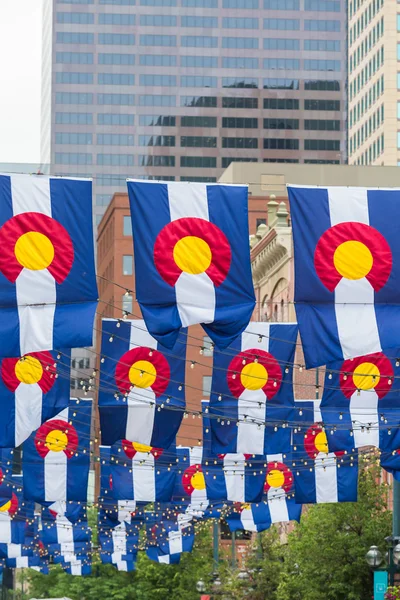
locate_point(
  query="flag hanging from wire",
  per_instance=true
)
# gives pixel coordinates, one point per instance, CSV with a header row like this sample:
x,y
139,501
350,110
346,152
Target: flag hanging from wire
x,y
48,281
320,476
56,458
192,258
252,391
345,251
142,385
33,388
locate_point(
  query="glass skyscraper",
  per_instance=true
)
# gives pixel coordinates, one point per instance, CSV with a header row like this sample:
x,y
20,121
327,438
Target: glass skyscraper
x,y
177,89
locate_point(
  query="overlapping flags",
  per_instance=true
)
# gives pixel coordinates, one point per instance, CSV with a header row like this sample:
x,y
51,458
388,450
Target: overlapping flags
x,y
192,258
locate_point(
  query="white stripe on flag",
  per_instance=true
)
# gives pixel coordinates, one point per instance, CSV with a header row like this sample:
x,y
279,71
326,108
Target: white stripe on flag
x,y
198,498
165,559
125,510
22,562
5,528
28,410
65,534
195,294
247,519
364,412
277,505
55,476
119,538
76,568
234,473
326,478
144,477
14,550
354,299
121,565
32,194
141,402
252,403
175,542
195,455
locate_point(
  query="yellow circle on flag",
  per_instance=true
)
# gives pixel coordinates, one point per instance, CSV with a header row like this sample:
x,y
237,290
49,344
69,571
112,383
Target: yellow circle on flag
x,y
275,478
321,442
192,255
353,260
28,370
366,376
197,480
34,251
56,440
141,447
142,374
254,376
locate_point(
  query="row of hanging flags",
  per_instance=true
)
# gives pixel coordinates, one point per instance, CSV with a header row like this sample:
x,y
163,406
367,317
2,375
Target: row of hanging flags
x,y
264,454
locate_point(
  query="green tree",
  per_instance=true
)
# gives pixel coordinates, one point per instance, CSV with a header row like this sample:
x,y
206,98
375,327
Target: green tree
x,y
325,554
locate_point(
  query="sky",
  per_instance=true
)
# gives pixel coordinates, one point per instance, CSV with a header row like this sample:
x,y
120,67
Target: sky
x,y
20,76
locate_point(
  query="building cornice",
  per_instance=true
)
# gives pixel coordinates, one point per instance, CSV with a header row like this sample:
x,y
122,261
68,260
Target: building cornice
x,y
273,250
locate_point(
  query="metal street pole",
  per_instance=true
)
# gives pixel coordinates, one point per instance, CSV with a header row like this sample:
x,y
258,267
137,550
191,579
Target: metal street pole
x,y
233,550
216,545
395,528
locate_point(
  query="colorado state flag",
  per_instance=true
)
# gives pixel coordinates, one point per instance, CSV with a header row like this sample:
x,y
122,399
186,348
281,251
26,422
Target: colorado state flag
x,y
252,391
142,385
347,271
192,258
47,276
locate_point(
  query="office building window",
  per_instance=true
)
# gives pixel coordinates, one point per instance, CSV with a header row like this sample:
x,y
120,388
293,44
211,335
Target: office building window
x,y
226,161
75,18
398,110
200,3
318,161
240,23
127,225
321,104
127,264
127,304
156,161
282,24
115,160
240,43
156,140
280,144
116,59
276,83
115,139
195,141
116,19
281,44
73,158
239,142
116,99
75,1
157,60
322,86
240,82
200,162
103,199
158,21
239,62
322,65
199,101
281,160
72,37
322,145
158,40
322,45
285,64
116,39
157,100
74,58
157,80
321,25
322,5
193,178
237,102
281,103
281,123
157,2
248,4
73,98
116,79
74,78
157,120
282,4
207,380
67,118
117,119
198,81
321,125
239,123
206,62
118,2
260,222
199,41
198,121
204,22
80,139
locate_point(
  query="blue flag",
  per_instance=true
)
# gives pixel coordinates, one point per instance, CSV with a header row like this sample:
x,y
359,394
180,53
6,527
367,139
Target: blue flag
x,y
142,385
192,258
346,271
252,391
47,275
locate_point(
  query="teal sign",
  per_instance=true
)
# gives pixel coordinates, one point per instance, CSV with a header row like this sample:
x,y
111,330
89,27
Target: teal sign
x,y
380,584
